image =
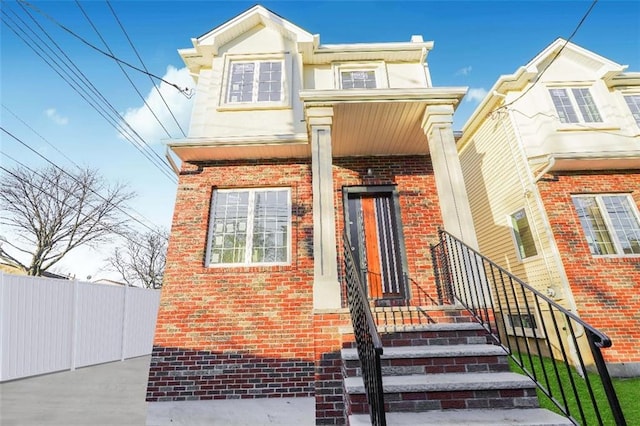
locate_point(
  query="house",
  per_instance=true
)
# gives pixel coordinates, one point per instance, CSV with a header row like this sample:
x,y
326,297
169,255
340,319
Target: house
x,y
551,161
292,144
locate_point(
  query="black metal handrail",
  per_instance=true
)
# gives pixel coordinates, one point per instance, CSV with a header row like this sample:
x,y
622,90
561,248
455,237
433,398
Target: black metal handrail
x,y
532,328
368,340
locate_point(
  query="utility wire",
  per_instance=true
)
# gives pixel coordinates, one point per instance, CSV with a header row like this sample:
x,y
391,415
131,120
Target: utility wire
x,y
187,92
122,68
146,69
26,145
60,152
584,17
129,133
42,191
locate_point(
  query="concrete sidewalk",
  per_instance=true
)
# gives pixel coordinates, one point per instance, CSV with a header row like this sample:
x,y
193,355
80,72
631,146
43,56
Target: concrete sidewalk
x,y
114,394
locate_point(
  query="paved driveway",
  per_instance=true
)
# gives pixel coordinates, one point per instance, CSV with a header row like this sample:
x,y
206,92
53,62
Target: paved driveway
x,y
114,394
106,394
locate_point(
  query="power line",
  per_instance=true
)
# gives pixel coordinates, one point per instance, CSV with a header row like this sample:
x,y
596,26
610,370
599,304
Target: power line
x,y
26,145
50,195
59,151
145,68
126,130
187,92
122,68
539,76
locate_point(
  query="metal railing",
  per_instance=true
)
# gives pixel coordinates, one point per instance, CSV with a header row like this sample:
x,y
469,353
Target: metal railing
x,y
547,342
367,338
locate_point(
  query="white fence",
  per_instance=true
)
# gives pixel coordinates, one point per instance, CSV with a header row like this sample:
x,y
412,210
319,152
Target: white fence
x,y
49,325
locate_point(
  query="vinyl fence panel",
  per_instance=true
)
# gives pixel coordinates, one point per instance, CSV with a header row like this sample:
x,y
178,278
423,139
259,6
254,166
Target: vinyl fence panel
x,y
49,325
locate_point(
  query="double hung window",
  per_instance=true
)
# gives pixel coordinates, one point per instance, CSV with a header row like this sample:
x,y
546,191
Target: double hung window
x,y
575,105
257,81
633,101
522,235
250,226
610,223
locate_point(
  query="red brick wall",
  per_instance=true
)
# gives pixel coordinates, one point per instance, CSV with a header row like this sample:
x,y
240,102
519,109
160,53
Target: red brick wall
x,y
419,209
235,332
606,290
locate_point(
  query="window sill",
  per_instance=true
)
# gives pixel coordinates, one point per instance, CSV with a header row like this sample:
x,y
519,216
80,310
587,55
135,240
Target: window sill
x,y
585,127
253,106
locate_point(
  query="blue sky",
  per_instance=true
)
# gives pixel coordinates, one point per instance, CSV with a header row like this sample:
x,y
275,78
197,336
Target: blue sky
x,y
475,43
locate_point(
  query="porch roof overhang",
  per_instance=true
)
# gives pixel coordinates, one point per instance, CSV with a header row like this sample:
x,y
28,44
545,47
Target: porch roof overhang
x,y
372,122
379,122
586,161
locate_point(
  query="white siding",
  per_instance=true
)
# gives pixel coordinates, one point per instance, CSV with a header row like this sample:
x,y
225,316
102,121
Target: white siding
x,y
497,179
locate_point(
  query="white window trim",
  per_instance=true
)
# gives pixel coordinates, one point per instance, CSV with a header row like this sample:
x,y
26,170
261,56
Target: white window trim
x,y
287,75
247,262
514,239
379,67
581,124
607,220
536,332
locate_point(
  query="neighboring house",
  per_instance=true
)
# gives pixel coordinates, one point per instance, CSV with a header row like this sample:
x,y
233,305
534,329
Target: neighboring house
x,y
289,141
551,161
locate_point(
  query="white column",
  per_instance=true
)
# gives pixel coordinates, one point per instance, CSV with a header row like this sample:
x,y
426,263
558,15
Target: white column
x,y
326,288
452,194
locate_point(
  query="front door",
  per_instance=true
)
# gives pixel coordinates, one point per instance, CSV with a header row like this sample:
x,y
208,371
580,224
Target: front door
x,y
375,236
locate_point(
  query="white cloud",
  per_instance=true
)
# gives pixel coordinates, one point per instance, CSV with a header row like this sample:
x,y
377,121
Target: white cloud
x,y
142,119
476,94
55,117
464,71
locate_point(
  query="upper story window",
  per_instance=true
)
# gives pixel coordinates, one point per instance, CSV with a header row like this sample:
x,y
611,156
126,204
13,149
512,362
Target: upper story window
x,y
360,75
610,223
522,235
250,227
257,81
358,79
575,105
633,101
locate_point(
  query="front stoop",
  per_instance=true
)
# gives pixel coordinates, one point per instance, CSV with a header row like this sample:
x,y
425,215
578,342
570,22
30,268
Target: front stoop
x,y
445,373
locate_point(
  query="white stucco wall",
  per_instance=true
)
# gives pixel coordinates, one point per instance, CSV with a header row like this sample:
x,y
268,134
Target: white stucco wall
x,y
543,133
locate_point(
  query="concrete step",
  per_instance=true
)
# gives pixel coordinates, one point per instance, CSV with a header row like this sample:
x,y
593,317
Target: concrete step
x,y
495,417
426,334
414,393
406,360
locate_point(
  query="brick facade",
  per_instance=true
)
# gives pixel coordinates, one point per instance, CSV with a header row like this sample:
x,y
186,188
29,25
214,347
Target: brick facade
x,y
235,332
252,332
606,289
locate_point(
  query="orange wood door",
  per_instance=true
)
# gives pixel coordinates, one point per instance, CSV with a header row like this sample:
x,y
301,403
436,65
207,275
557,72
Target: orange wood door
x,y
373,273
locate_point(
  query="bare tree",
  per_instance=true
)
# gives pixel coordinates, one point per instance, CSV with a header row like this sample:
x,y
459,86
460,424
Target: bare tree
x,y
49,212
142,260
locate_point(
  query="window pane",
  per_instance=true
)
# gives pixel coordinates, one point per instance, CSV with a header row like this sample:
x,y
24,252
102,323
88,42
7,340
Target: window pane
x,y
586,105
270,226
625,224
270,82
228,244
241,82
565,110
634,105
594,227
523,235
358,79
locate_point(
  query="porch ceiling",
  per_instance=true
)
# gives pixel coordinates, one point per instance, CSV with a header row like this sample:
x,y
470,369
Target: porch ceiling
x,y
378,128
